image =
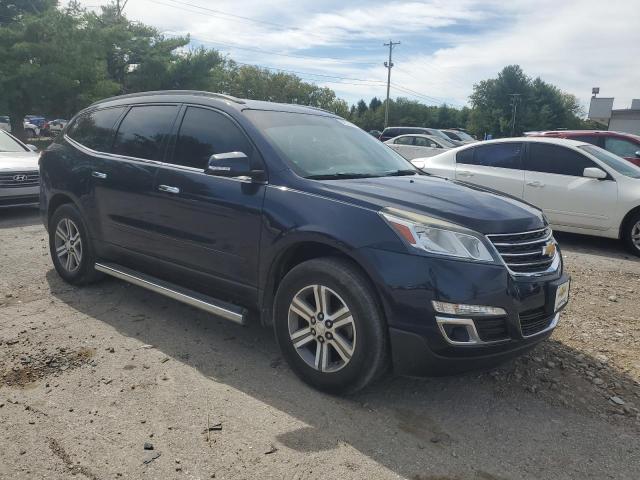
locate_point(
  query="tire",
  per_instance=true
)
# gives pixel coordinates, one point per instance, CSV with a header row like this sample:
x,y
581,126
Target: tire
x,y
355,347
631,234
70,246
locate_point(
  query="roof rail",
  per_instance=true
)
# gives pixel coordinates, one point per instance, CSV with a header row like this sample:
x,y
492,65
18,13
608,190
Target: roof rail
x,y
172,92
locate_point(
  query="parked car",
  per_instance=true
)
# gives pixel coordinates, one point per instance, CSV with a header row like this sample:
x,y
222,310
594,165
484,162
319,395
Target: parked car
x,y
580,187
375,133
57,125
31,130
625,145
5,123
392,132
19,177
354,257
36,120
459,136
418,146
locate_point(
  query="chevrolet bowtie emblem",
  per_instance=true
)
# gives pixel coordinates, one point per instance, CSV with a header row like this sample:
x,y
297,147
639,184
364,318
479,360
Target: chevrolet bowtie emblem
x,y
549,250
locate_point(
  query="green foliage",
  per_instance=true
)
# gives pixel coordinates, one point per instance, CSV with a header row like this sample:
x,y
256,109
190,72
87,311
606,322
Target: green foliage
x,y
540,105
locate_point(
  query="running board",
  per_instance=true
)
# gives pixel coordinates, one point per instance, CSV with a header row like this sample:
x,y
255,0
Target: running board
x,y
204,302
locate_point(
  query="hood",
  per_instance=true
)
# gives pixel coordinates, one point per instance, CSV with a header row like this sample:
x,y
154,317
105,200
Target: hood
x,y
473,207
18,161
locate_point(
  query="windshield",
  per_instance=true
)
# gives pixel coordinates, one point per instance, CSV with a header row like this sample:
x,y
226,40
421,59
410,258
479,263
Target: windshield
x,y
620,165
8,144
322,147
464,136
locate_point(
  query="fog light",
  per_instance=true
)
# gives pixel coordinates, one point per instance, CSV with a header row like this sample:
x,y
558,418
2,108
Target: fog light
x,y
463,309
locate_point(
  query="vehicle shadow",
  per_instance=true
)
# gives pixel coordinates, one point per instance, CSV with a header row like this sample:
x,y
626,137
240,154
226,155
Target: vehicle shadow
x,y
19,217
434,428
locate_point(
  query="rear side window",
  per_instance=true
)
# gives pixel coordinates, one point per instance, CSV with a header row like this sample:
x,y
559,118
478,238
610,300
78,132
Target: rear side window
x,y
592,139
94,129
144,130
404,141
501,155
556,159
465,156
204,133
620,146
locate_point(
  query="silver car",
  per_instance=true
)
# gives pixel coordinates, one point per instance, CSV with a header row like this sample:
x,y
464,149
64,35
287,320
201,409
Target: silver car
x,y
19,175
418,146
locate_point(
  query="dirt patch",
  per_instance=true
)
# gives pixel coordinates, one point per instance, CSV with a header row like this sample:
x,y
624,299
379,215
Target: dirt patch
x,y
35,367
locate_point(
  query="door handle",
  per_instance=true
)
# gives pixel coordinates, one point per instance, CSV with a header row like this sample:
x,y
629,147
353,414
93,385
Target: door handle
x,y
168,189
536,184
465,173
98,175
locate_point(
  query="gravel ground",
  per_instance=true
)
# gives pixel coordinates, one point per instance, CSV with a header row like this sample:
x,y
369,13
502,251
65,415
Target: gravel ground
x,y
112,381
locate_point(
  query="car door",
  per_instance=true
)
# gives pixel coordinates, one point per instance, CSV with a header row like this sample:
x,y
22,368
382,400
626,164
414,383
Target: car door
x,y
210,224
425,147
555,183
497,166
123,180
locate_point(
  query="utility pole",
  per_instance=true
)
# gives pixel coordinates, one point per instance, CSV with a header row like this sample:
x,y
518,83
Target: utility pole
x,y
389,66
515,98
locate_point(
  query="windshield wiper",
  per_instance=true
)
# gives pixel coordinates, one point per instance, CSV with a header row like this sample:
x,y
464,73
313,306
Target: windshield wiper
x,y
340,175
400,173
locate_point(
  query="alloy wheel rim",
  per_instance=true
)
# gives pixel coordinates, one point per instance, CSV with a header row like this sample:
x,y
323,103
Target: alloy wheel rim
x,y
635,235
322,329
68,245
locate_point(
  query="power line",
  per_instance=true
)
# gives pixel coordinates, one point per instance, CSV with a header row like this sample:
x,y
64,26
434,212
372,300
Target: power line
x,y
379,82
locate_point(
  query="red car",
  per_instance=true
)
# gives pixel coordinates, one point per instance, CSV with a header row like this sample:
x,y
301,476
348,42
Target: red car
x,y
624,145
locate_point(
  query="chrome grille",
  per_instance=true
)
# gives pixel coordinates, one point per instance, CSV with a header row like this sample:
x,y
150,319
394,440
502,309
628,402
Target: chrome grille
x,y
19,179
524,252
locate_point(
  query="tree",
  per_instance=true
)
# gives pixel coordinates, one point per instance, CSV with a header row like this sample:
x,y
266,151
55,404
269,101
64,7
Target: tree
x,y
12,11
50,63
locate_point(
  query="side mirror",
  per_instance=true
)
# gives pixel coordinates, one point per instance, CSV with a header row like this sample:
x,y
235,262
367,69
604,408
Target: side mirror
x,y
32,147
637,154
233,165
593,172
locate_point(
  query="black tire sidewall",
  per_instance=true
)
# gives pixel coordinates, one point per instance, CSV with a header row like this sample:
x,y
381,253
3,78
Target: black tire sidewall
x,y
626,233
370,352
86,272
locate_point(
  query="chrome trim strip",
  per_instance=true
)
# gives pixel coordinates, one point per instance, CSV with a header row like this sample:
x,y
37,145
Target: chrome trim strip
x,y
474,338
203,302
552,325
517,244
518,233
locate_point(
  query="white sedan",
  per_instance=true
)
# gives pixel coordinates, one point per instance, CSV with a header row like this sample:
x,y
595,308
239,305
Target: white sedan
x,y
418,146
19,176
580,187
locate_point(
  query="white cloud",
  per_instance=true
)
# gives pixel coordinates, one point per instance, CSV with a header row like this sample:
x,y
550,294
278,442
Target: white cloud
x,y
447,46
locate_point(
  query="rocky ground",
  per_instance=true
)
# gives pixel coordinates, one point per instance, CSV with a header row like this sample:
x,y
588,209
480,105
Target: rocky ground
x,y
111,381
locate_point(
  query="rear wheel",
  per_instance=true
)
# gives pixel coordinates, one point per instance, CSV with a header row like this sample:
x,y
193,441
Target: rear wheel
x,y
70,246
330,327
631,234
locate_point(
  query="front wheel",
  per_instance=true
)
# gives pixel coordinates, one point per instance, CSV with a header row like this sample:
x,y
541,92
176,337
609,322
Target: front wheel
x,y
631,234
330,327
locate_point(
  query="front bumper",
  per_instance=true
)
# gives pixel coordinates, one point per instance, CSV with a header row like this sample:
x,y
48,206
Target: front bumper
x,y
419,346
15,197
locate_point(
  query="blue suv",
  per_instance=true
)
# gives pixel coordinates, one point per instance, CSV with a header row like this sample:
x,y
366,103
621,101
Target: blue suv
x,y
296,217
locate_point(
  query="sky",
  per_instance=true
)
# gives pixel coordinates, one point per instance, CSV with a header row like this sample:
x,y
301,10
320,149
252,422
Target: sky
x,y
446,45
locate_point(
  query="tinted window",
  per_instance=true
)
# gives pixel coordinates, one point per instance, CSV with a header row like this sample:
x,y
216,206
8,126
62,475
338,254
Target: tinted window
x,y
621,147
94,129
204,133
502,155
592,139
403,141
555,159
143,131
424,142
465,156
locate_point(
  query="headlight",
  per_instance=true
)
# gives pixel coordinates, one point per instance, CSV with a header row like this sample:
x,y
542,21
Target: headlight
x,y
437,236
